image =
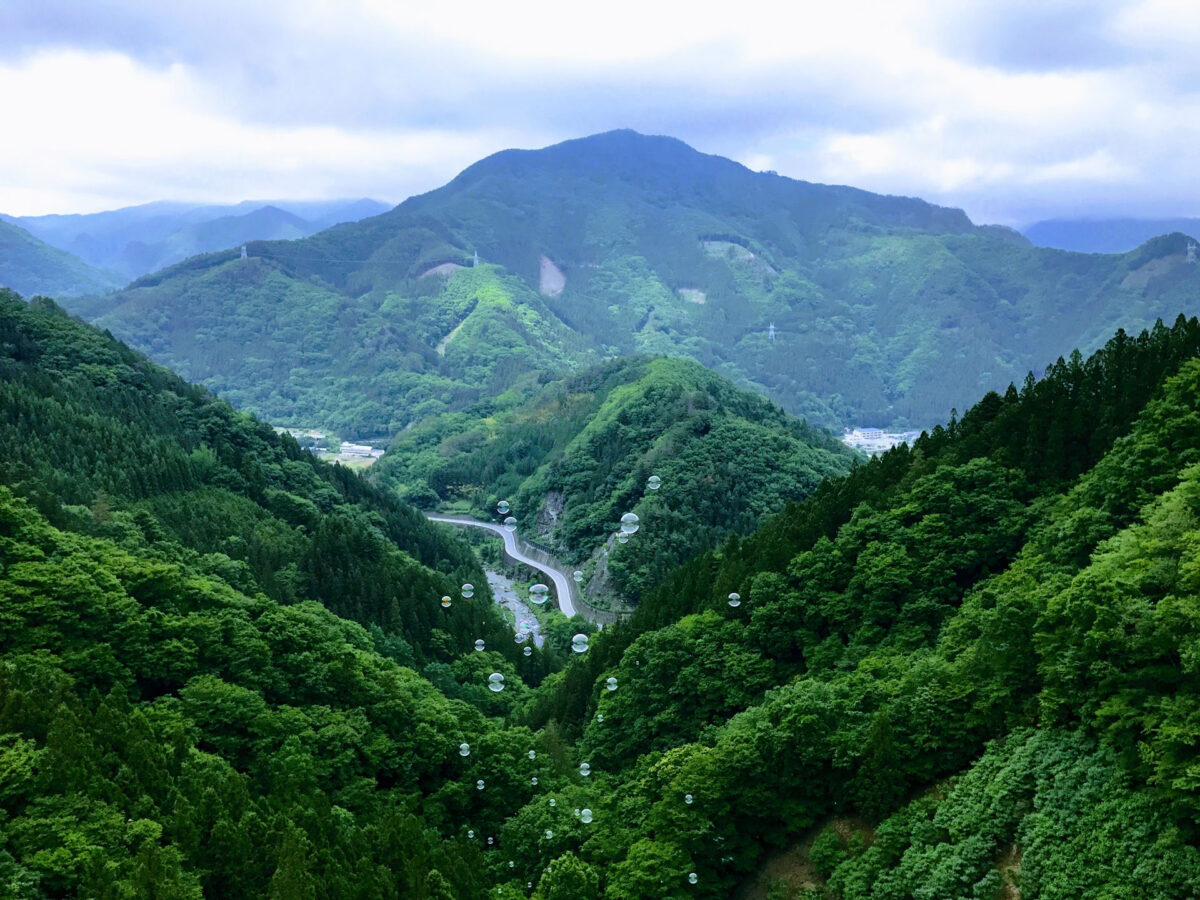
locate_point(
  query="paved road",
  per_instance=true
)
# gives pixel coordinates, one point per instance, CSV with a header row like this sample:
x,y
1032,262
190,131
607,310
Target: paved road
x,y
562,590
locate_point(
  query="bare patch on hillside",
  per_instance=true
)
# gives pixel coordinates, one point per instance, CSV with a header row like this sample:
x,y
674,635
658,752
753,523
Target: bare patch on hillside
x,y
1010,868
692,295
441,269
441,346
551,280
1140,277
791,866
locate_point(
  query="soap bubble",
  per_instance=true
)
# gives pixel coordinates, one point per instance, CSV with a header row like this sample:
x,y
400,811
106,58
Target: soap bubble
x,y
510,524
629,523
735,599
479,785
585,770
511,864
577,812
654,482
611,684
539,594
533,781
585,816
479,644
532,754
579,643
687,798
528,651
471,833
446,601
464,749
468,591
496,682
549,834
692,878
491,841
502,507
519,637
622,538
578,576
599,717
553,802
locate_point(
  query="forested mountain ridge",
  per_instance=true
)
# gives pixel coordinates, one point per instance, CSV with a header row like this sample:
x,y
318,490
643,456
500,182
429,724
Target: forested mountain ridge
x,y
977,655
885,310
577,453
27,265
1105,235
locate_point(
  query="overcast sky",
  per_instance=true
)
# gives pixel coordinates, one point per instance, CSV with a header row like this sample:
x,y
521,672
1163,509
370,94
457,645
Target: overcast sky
x,y
1012,110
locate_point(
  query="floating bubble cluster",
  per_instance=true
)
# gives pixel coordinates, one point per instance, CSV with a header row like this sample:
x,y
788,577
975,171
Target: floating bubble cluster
x,y
446,601
585,770
502,507
464,749
579,643
735,599
654,482
539,594
496,682
468,591
611,684
479,644
585,816
510,524
578,576
629,523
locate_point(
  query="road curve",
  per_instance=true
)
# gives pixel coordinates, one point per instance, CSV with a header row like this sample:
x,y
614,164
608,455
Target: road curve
x,y
562,586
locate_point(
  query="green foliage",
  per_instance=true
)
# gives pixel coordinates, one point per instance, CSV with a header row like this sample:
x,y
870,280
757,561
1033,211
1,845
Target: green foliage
x,y
31,267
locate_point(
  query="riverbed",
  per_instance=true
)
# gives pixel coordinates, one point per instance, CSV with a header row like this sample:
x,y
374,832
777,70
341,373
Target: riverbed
x,y
506,595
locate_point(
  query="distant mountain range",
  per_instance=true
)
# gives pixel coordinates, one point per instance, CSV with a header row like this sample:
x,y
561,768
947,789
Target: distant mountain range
x,y
843,306
31,266
138,239
1105,235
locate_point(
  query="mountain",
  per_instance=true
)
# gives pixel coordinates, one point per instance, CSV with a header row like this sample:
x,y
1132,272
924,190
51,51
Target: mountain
x,y
965,668
30,266
139,239
577,454
1105,235
842,306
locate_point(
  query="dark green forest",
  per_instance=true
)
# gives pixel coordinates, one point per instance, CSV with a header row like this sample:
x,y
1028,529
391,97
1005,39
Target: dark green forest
x,y
965,668
887,310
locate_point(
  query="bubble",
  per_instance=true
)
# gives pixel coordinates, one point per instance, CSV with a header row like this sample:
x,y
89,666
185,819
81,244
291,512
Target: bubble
x,y
578,576
553,802
599,717
510,524
491,841
533,781
496,682
532,754
687,798
528,651
468,591
611,684
446,601
479,644
735,599
630,523
471,833
479,787
502,507
693,878
579,643
464,749
577,812
585,816
585,770
511,863
549,834
622,538
539,594
654,482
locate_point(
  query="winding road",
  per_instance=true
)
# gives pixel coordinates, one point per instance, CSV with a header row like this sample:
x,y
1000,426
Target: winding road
x,y
562,583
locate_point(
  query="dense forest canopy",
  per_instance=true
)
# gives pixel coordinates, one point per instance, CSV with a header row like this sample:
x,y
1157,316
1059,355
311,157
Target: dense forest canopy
x,y
965,668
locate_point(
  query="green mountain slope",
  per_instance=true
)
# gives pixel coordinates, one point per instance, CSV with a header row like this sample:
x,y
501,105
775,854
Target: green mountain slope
x,y
29,266
886,310
576,455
